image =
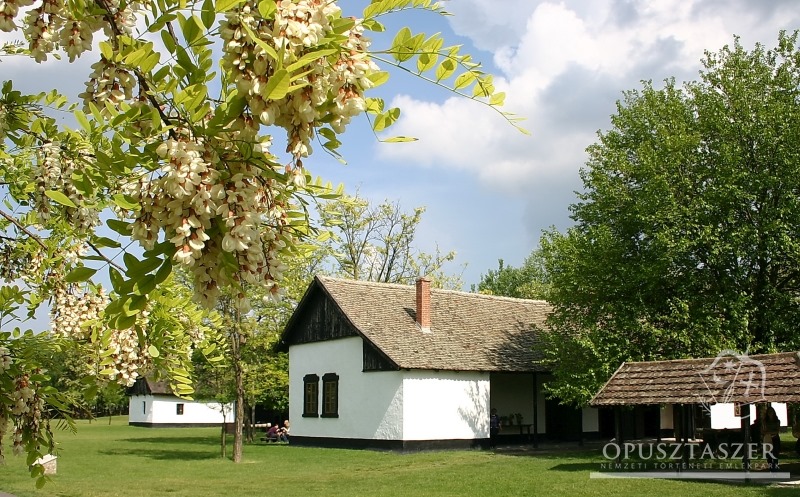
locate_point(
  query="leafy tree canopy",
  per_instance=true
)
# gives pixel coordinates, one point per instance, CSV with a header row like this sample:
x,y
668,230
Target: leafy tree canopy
x,y
171,163
685,240
528,281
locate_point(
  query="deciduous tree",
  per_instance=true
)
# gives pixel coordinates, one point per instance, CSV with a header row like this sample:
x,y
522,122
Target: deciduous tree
x,y
172,151
685,237
376,243
529,281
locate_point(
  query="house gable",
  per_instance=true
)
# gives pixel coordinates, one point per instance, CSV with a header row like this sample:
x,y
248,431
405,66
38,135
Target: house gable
x,y
317,319
375,360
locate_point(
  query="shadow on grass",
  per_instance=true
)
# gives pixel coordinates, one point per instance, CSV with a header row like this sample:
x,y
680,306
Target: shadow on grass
x,y
174,440
165,455
576,466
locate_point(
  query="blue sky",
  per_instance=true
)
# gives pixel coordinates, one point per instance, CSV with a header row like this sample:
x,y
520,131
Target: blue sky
x,y
488,189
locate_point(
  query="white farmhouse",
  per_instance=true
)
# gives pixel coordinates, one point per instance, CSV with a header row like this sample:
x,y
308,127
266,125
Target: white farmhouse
x,y
152,404
402,367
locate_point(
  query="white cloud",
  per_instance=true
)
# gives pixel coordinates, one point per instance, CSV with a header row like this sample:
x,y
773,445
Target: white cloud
x,y
566,67
563,66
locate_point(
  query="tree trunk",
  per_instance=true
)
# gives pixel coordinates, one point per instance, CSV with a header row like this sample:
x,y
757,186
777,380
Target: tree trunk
x,y
238,422
252,434
223,438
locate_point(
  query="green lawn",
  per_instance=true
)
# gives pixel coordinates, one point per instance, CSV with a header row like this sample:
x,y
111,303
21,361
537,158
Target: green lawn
x,y
103,460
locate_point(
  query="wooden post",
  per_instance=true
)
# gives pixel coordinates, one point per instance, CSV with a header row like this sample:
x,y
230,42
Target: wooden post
x,y
618,431
745,424
535,411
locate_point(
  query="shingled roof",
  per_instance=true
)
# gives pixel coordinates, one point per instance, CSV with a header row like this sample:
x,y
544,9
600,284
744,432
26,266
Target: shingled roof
x,y
468,331
149,386
728,377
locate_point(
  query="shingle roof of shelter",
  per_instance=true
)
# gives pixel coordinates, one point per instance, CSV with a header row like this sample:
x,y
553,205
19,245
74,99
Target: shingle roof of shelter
x,y
729,377
468,332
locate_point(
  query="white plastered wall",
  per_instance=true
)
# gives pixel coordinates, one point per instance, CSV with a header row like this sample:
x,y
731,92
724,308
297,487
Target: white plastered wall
x,y
445,405
164,409
723,415
370,404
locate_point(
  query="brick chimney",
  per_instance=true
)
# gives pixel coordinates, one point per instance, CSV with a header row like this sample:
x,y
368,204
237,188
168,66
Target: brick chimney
x,y
424,303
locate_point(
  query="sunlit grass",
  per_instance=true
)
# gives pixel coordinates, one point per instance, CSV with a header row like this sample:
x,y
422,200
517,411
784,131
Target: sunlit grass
x,y
119,460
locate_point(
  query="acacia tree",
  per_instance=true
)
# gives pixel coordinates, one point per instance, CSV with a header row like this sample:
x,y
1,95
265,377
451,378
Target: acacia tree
x,y
685,238
376,243
180,152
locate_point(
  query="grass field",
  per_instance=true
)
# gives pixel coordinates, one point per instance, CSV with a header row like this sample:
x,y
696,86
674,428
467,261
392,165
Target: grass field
x,y
119,460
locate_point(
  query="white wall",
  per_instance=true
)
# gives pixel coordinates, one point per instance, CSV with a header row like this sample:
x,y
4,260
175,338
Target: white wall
x,y
163,409
370,404
722,415
590,421
445,405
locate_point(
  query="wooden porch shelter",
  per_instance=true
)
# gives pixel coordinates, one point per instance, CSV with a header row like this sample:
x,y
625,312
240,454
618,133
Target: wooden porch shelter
x,y
727,378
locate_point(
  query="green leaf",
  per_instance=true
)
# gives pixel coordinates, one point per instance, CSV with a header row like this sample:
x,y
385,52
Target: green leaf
x,y
163,272
125,202
386,119
60,198
497,99
82,120
378,78
144,285
120,227
278,85
464,80
377,8
136,268
124,322
310,57
138,302
208,13
426,61
374,105
106,50
81,273
102,241
400,139
267,8
445,69
153,351
226,5
373,25
263,45
168,40
116,280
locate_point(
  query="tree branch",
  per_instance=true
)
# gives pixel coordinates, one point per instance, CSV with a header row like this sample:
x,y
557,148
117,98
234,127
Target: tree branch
x,y
22,228
105,258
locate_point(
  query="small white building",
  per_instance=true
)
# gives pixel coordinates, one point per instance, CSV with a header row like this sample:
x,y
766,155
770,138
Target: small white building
x,y
401,367
152,404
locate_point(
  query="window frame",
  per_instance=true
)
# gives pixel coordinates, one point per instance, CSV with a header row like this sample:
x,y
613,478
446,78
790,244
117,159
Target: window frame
x,y
310,396
330,395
